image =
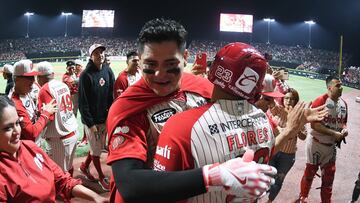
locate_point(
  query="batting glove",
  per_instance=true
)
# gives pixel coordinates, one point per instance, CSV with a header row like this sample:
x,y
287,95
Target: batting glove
x,y
240,177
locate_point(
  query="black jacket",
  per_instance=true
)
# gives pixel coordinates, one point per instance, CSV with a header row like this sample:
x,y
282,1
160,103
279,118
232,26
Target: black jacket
x,y
95,93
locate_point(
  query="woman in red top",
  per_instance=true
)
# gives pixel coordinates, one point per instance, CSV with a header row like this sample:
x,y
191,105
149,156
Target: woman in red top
x,y
27,174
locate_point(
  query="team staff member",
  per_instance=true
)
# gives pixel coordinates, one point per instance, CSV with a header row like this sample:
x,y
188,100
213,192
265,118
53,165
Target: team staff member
x,y
7,74
27,174
33,120
95,98
321,148
60,132
129,76
136,119
228,126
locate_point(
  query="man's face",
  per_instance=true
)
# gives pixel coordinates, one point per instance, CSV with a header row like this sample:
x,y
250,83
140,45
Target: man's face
x,y
78,68
42,80
24,84
133,63
162,65
335,88
98,56
265,103
71,69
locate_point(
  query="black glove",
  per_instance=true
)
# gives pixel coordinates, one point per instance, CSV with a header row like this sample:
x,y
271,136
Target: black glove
x,y
338,144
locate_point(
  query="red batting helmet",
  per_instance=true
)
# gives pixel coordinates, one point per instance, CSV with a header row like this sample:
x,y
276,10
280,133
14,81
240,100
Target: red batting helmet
x,y
238,69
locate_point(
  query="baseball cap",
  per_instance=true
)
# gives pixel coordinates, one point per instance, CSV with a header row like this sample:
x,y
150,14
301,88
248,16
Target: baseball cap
x,y
95,46
269,87
8,69
70,63
239,69
24,68
45,68
78,62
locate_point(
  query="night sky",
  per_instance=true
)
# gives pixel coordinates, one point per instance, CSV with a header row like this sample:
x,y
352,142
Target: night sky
x,y
200,18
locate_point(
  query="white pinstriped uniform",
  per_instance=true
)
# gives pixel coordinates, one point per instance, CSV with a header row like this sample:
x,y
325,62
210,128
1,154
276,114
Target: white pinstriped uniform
x,y
62,151
320,154
219,132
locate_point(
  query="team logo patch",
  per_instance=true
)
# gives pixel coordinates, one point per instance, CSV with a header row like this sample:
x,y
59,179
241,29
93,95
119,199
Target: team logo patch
x,y
163,115
213,129
39,159
119,140
123,129
343,109
102,82
247,81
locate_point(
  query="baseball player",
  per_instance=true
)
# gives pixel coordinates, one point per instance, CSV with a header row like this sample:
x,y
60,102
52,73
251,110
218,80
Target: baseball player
x,y
129,76
60,132
34,120
356,191
95,98
228,126
321,145
137,117
7,74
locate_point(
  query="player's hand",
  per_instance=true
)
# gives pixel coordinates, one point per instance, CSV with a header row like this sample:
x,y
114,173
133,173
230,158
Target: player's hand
x,y
198,69
344,132
241,177
315,114
338,136
50,107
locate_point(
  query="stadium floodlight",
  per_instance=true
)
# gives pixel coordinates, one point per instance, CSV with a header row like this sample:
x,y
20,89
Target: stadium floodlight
x,y
66,18
28,14
269,21
310,23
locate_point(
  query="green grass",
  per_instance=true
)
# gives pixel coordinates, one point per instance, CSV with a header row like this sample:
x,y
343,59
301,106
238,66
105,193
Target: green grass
x,y
308,89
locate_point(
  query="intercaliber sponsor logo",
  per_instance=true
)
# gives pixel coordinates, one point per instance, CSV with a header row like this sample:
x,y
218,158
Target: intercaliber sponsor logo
x,y
248,80
163,151
163,115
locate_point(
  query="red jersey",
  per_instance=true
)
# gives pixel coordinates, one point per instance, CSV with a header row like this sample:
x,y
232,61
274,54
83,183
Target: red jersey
x,y
136,118
335,120
123,81
70,81
216,132
32,176
32,123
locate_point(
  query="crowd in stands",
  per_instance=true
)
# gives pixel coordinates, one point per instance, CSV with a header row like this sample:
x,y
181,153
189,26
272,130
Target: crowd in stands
x,y
352,75
313,60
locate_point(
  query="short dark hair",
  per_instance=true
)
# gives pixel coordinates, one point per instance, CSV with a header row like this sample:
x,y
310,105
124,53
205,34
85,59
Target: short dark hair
x,y
130,54
5,102
160,30
330,78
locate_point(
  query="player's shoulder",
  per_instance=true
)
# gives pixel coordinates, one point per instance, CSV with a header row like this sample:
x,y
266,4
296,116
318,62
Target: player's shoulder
x,y
320,100
190,116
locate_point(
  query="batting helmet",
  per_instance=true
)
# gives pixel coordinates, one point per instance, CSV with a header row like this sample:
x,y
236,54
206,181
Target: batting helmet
x,y
238,69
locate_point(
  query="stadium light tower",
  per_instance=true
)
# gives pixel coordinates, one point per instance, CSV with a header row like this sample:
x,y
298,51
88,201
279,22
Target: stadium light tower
x,y
28,14
269,21
310,23
66,18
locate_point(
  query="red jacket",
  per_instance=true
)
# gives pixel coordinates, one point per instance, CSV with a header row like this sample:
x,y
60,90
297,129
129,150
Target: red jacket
x,y
32,176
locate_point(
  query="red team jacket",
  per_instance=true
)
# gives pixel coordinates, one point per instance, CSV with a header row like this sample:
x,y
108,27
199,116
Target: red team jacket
x,y
68,80
121,83
136,99
32,176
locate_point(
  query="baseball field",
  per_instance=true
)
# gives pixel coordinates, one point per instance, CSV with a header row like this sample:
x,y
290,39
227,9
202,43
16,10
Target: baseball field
x,y
348,157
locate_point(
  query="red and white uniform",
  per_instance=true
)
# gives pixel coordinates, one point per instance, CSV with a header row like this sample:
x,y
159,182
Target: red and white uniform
x,y
70,81
138,115
213,133
321,148
32,123
60,132
32,176
123,81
